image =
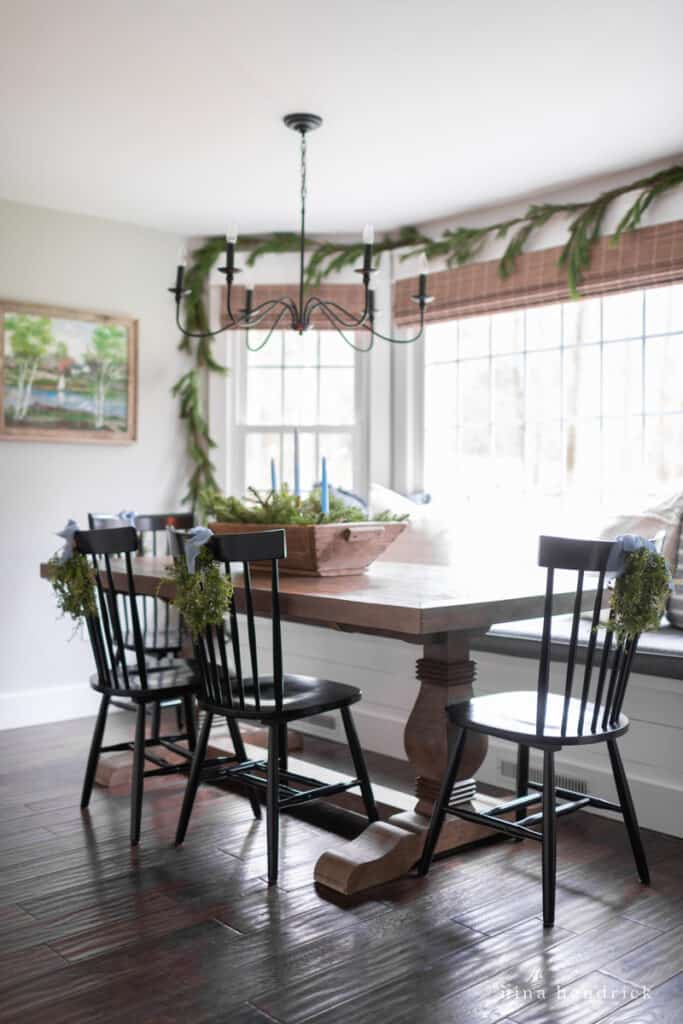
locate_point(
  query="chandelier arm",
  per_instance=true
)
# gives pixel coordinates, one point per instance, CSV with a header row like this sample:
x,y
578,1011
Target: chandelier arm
x,y
403,341
257,348
331,307
260,312
340,332
198,334
257,311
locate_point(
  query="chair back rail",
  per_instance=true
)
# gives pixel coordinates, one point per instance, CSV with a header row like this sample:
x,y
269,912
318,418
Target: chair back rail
x,y
161,626
104,627
608,665
220,684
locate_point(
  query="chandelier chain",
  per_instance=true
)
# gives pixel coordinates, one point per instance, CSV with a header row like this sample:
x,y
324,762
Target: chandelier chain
x,y
303,173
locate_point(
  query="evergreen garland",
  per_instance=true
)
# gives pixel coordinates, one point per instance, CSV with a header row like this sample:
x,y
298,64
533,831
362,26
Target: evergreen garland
x,y
640,594
283,508
73,582
202,597
456,246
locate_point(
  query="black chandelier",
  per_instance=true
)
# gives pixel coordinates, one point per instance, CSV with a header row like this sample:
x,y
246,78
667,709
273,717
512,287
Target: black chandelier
x,y
300,314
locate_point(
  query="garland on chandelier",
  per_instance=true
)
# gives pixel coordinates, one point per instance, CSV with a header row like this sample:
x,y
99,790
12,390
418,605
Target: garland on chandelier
x,y
456,246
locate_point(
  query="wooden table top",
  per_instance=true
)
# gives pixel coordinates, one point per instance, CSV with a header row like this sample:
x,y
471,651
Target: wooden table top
x,y
409,601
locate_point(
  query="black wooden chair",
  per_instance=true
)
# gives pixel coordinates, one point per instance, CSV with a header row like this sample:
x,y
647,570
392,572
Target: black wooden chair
x,y
162,628
115,678
548,721
273,700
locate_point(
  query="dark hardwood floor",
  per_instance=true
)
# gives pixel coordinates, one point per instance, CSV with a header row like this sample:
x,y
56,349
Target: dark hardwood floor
x,y
92,931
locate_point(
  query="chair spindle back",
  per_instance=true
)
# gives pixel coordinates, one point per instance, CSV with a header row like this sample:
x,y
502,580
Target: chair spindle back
x,y
161,626
221,684
105,627
611,661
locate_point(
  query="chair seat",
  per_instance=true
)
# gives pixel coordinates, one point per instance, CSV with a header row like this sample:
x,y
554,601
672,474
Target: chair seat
x,y
304,696
513,716
171,682
156,642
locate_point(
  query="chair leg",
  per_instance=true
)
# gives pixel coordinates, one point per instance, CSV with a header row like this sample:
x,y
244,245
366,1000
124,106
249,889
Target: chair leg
x,y
156,721
193,780
94,755
439,811
522,778
180,722
238,747
190,723
549,839
138,780
359,765
284,752
272,809
629,812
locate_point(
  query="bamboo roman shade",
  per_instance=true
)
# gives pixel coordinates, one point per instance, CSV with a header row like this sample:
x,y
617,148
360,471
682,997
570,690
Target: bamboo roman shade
x,y
641,258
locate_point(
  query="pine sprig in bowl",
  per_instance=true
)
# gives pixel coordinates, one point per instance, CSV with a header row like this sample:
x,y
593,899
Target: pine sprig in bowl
x,y
282,508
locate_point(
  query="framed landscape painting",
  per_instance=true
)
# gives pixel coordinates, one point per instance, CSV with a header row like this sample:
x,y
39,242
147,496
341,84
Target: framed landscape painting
x,y
67,375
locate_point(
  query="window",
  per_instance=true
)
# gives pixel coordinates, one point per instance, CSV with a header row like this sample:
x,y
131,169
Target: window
x,y
310,382
576,405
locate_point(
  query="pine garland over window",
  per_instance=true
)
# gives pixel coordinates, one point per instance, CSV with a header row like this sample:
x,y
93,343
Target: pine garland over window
x,y
456,246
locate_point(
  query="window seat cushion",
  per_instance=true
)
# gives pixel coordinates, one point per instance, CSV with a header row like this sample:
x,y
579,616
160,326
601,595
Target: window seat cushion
x,y
659,653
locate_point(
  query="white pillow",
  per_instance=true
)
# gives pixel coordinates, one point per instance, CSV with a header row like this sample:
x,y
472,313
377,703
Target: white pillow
x,y
665,516
427,536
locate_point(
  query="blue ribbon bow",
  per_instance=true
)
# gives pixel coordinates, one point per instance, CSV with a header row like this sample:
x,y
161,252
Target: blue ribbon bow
x,y
624,545
68,533
128,516
195,540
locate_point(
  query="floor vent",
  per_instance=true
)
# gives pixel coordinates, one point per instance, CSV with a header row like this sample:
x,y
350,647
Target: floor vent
x,y
508,769
323,721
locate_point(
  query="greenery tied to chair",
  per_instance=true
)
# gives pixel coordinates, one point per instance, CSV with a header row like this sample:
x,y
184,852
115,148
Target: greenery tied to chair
x,y
282,508
73,581
202,597
640,594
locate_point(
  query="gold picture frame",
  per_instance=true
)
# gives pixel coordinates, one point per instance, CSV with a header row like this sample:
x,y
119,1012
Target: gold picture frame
x,y
67,375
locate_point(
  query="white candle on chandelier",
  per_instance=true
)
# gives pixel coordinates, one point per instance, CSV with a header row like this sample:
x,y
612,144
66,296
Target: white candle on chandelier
x,y
231,234
182,255
422,281
368,239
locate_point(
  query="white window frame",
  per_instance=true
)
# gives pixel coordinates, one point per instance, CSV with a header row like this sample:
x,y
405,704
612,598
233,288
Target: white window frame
x,y
409,393
236,429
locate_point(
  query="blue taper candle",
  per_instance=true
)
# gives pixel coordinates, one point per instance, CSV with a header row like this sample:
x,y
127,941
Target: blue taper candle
x,y
273,476
297,466
324,490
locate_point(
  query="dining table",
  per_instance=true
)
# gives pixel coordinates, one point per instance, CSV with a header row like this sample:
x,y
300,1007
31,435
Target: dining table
x,y
442,612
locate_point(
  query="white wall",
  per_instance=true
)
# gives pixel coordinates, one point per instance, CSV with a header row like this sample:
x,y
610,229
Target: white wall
x,y
81,262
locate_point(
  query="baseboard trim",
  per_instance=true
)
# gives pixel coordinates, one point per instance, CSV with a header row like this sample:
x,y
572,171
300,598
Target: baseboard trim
x,y
48,704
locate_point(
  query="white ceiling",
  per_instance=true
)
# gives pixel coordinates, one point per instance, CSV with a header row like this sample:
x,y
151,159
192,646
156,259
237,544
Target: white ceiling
x,y
167,113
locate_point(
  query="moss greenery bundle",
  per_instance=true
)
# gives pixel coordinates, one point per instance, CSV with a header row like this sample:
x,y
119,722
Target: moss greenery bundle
x,y
640,594
282,508
202,597
73,581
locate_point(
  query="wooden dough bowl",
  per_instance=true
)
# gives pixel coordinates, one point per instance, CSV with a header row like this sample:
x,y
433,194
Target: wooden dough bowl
x,y
330,549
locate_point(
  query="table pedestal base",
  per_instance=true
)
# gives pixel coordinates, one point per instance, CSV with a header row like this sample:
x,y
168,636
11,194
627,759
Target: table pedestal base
x,y
386,850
